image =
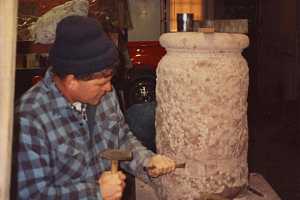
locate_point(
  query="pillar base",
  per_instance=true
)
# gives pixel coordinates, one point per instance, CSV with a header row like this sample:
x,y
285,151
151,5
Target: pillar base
x,y
256,182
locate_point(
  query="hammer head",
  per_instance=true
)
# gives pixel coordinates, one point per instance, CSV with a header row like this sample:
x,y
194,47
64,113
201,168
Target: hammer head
x,y
116,154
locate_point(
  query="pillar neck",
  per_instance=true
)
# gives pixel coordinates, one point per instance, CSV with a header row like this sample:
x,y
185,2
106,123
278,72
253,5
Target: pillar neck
x,y
205,42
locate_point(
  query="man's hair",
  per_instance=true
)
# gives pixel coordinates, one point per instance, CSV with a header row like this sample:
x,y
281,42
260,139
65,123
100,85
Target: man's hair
x,y
110,70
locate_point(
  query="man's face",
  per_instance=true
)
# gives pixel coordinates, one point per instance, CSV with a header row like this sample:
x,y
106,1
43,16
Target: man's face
x,y
91,91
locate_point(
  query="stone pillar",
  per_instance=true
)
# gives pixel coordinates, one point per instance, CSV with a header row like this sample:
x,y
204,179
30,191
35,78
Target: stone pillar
x,y
201,115
8,31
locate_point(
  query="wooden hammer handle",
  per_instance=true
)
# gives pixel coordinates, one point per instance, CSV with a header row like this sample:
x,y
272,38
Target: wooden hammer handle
x,y
114,166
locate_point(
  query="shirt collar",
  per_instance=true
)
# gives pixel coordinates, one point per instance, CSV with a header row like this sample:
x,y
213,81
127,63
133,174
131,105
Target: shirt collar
x,y
55,97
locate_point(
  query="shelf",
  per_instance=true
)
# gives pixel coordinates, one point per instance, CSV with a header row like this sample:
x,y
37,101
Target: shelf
x,y
27,47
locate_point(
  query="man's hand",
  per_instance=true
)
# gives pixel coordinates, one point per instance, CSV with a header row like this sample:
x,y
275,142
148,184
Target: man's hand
x,y
112,185
160,165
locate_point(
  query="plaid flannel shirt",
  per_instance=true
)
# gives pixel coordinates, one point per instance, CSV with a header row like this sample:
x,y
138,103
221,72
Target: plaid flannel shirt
x,y
58,158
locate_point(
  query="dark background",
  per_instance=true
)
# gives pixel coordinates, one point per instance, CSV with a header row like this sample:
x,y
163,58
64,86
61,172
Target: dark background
x,y
274,103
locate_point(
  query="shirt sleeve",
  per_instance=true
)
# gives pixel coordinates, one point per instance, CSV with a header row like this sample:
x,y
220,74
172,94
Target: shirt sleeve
x,y
127,140
34,176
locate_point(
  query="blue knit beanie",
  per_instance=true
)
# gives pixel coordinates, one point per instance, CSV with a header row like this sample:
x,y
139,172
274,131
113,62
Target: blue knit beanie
x,y
81,47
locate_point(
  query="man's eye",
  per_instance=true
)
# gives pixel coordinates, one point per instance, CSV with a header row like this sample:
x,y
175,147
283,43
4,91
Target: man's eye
x,y
101,84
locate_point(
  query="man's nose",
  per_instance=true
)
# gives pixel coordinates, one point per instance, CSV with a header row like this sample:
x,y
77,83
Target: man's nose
x,y
108,87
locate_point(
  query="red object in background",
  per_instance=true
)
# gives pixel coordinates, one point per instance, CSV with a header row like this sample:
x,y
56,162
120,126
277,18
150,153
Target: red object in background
x,y
141,79
145,54
36,79
45,5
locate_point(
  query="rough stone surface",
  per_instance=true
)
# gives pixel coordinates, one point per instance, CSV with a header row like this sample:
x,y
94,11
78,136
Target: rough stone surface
x,y
201,116
256,181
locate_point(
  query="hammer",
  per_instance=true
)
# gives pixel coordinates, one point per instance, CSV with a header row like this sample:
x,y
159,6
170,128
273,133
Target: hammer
x,y
115,155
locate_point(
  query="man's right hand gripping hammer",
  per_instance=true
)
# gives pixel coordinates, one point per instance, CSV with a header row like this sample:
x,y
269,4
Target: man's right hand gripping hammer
x,y
112,183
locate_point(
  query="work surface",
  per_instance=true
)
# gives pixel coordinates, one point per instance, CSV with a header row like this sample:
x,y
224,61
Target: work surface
x,y
257,182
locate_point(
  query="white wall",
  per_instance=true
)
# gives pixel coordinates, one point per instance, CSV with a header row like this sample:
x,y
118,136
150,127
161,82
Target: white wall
x,y
8,29
145,15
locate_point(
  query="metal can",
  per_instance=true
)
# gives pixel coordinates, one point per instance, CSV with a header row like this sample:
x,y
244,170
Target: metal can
x,y
185,22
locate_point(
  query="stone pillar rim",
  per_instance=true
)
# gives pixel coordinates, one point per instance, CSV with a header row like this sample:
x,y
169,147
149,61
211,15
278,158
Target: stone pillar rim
x,y
205,42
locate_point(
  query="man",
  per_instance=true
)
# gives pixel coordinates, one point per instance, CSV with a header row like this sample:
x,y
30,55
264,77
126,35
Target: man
x,y
66,120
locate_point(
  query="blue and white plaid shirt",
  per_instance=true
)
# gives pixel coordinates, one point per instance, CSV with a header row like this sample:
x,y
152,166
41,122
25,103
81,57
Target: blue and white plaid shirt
x,y
58,158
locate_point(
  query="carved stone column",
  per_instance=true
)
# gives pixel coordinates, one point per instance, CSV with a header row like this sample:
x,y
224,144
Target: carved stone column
x,y
201,116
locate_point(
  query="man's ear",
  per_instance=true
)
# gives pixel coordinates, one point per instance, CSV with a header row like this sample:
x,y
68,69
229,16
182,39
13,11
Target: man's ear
x,y
71,82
